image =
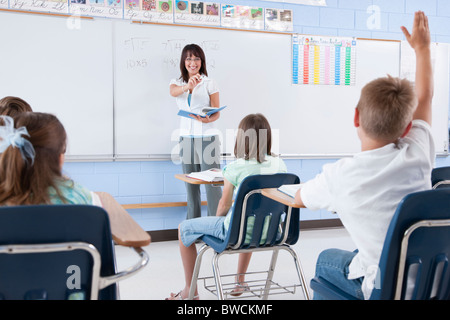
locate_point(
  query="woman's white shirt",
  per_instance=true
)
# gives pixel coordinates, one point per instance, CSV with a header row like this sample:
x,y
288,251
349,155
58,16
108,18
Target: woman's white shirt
x,y
200,99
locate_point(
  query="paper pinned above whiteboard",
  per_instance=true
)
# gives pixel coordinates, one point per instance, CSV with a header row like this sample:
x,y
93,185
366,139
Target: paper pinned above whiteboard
x,y
109,9
194,12
279,20
322,3
149,10
41,5
242,17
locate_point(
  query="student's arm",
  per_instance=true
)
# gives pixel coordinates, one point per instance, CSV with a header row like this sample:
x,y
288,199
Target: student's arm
x,y
227,199
420,42
298,199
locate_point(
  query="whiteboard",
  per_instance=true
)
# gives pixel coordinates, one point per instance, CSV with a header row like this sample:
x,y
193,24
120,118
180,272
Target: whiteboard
x,y
253,71
65,68
108,83
441,98
440,65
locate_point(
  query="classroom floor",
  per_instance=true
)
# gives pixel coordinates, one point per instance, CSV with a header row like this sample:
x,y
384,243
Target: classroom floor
x,y
164,272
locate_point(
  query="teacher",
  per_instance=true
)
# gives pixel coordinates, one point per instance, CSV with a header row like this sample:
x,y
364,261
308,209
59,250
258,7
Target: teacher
x,y
199,140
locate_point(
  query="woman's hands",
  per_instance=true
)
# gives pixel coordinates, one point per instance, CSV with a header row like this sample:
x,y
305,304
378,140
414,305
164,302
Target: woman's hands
x,y
193,82
176,90
214,99
206,119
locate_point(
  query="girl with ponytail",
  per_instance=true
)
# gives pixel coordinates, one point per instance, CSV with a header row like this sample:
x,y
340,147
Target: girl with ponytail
x,y
32,147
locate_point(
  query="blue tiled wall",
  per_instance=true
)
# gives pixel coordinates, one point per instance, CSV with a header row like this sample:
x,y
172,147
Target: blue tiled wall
x,y
153,181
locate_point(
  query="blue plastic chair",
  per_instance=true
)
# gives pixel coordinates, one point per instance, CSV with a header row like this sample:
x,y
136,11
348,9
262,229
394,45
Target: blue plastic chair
x,y
414,263
440,177
58,252
250,203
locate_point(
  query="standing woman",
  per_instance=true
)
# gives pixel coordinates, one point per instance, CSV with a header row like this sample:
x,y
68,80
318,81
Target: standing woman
x,y
199,141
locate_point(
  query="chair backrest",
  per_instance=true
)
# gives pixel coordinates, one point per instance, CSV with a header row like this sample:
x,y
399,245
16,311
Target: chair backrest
x,y
53,275
252,205
440,177
419,237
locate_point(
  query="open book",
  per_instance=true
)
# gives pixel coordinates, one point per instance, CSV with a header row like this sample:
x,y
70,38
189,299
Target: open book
x,y
207,111
290,189
211,175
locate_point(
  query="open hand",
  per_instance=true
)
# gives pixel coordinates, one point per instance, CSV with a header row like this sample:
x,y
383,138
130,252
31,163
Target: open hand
x,y
420,37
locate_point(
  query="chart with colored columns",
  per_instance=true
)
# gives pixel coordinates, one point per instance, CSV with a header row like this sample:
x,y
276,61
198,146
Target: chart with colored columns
x,y
323,60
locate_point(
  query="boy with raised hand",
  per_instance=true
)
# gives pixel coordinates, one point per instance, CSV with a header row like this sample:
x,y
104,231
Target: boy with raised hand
x,y
397,155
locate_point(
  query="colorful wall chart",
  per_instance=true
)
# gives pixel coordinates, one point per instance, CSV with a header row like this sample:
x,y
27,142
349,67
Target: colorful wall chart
x,y
323,60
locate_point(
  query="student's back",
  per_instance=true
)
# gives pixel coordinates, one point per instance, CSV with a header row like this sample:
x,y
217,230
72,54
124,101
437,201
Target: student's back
x,y
366,189
397,156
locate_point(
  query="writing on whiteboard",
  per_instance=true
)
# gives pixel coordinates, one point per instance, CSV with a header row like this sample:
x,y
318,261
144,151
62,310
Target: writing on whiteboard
x,y
138,49
173,48
142,63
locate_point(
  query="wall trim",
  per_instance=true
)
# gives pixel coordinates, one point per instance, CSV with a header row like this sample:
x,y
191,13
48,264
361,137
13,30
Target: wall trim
x,y
172,234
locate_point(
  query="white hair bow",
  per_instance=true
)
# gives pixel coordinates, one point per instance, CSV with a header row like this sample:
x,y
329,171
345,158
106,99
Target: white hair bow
x,y
11,136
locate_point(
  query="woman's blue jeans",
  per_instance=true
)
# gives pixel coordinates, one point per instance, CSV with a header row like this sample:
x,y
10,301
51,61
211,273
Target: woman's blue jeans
x,y
332,265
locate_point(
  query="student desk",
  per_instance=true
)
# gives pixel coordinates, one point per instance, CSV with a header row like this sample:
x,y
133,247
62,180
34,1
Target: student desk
x,y
125,231
185,178
275,194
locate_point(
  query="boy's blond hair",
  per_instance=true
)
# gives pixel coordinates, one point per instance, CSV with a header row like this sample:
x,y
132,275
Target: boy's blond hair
x,y
386,107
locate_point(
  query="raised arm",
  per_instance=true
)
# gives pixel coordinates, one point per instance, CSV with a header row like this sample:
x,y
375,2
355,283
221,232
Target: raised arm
x,y
419,40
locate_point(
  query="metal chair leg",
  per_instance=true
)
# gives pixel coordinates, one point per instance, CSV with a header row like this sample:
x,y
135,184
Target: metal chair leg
x,y
300,273
215,265
273,263
198,263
